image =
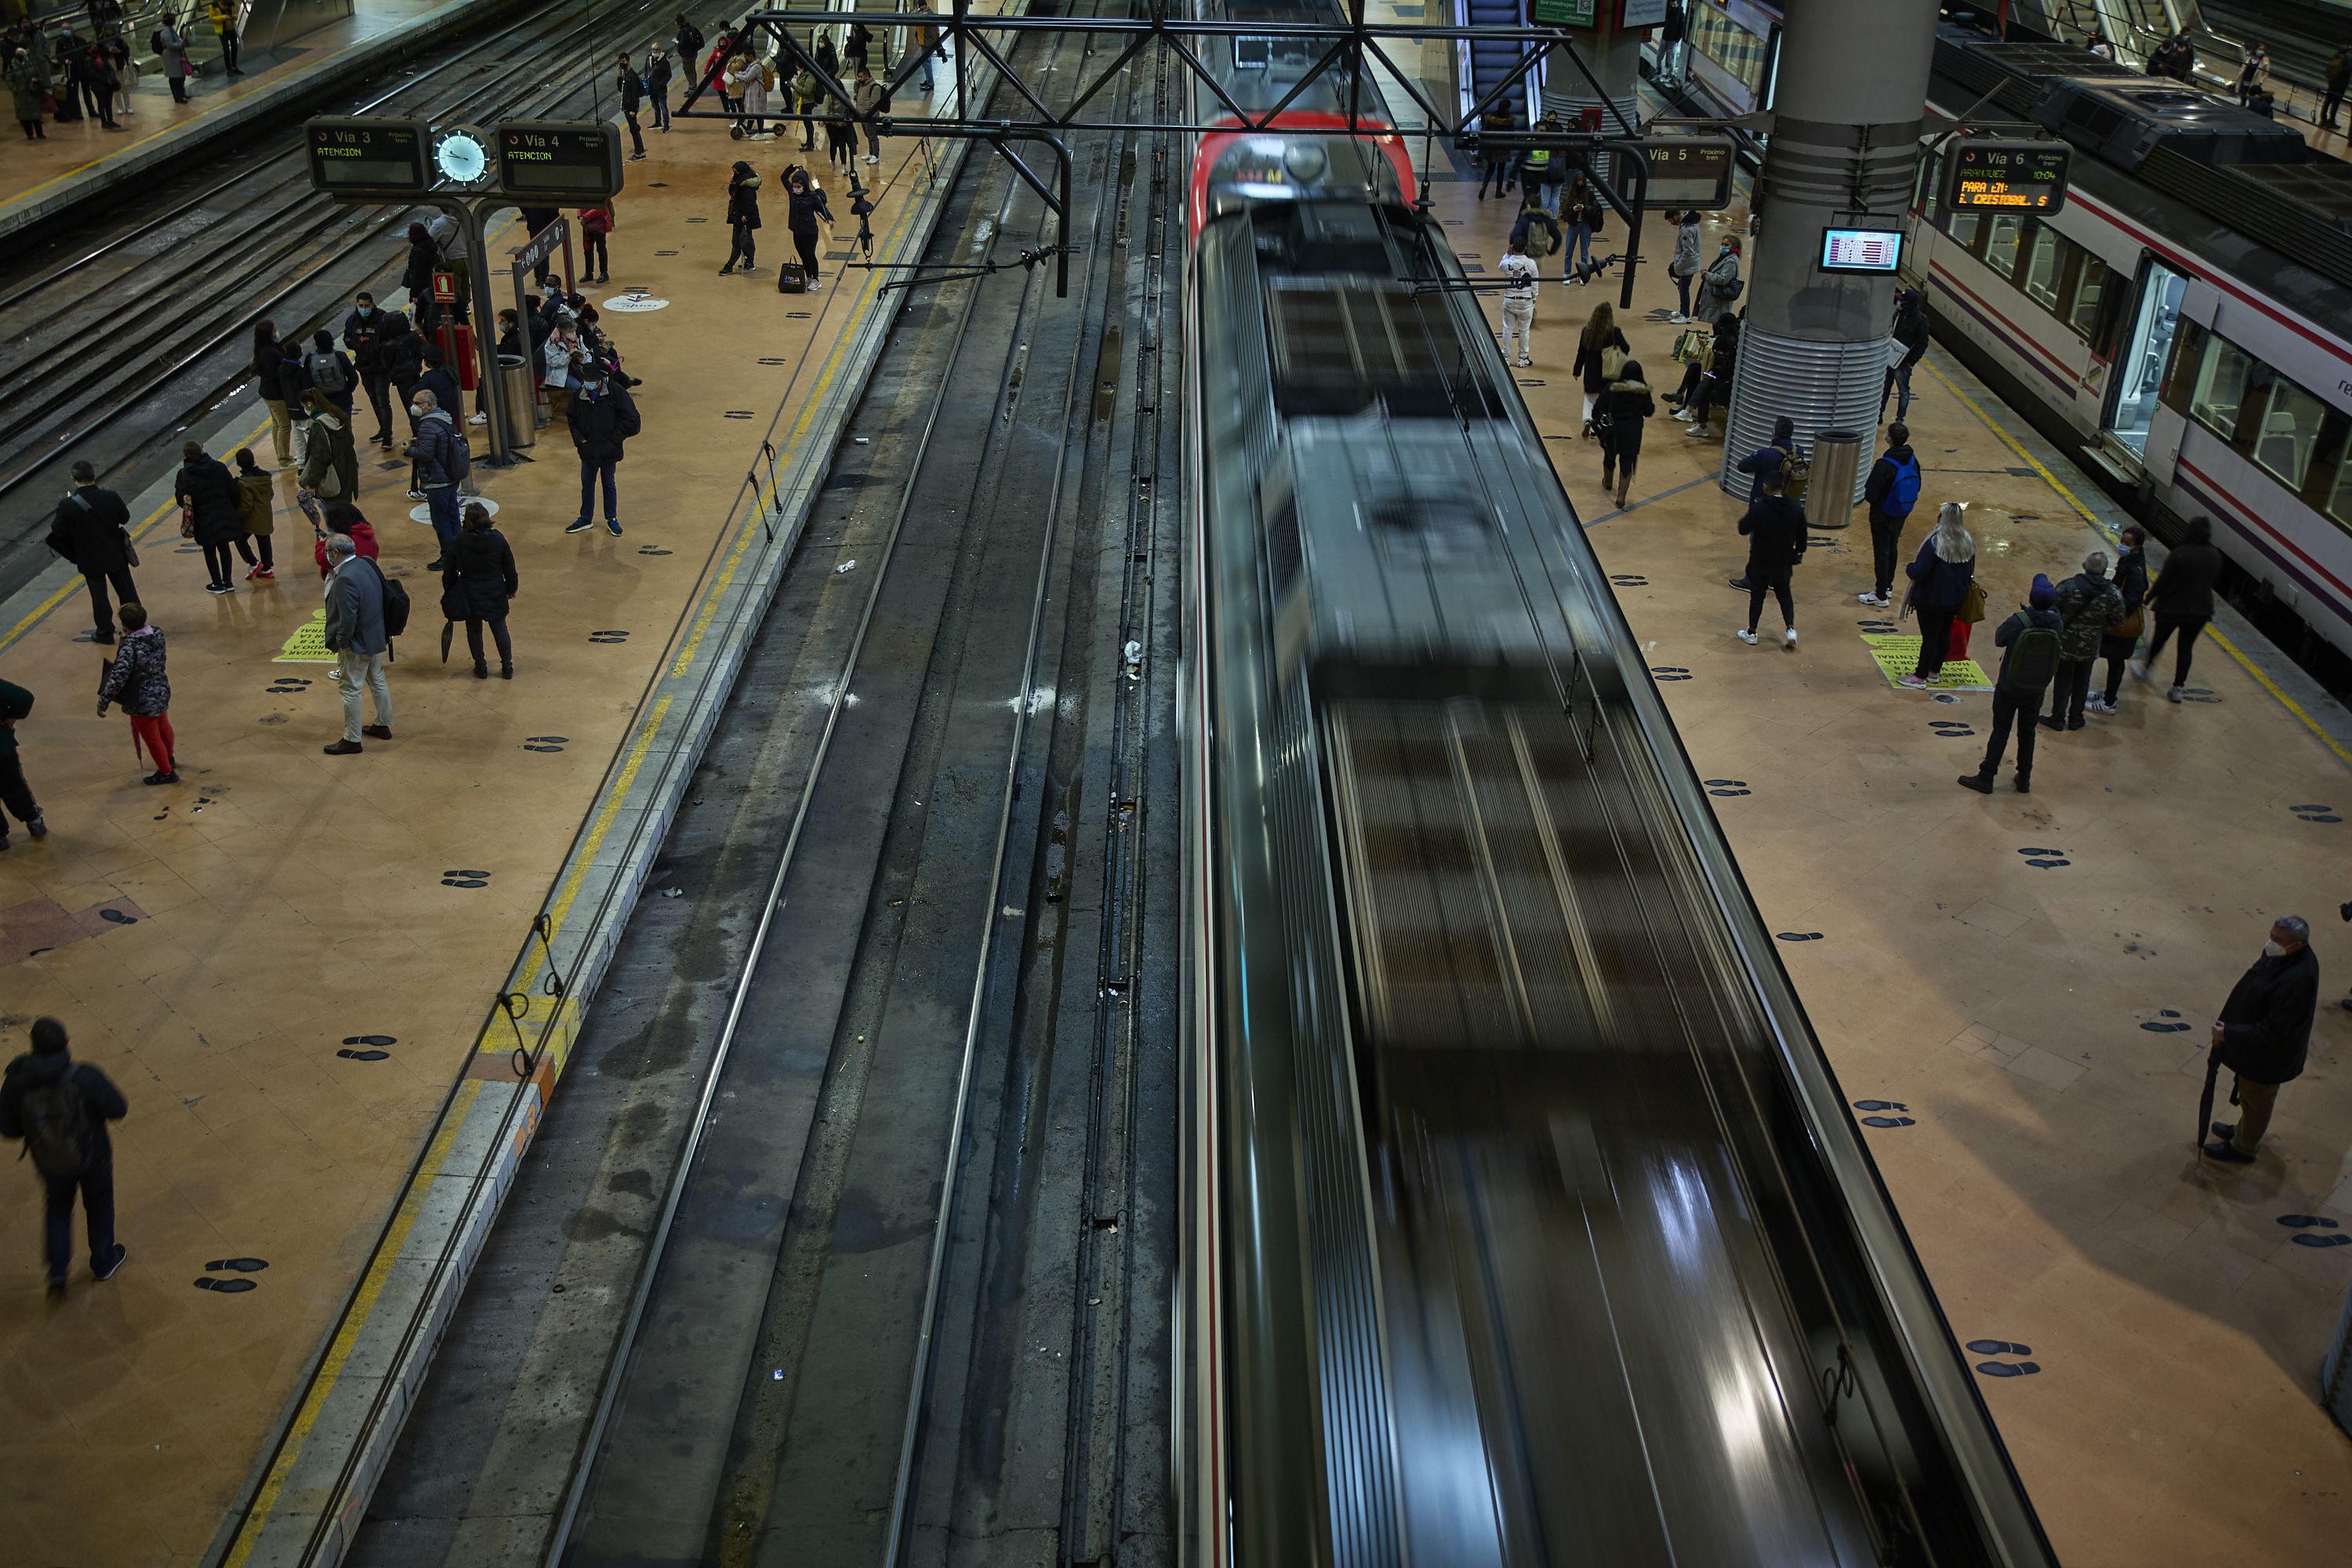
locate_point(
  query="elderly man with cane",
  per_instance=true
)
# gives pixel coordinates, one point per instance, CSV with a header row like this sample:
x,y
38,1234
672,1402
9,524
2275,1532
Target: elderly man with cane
x,y
2262,1036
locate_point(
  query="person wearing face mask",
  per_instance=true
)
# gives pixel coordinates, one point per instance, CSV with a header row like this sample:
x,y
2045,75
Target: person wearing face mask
x,y
439,454
602,418
1719,285
2117,642
2262,1033
365,331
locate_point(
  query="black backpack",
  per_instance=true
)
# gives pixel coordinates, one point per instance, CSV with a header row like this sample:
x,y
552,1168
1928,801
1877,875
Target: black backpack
x,y
395,603
328,373
2032,660
57,1127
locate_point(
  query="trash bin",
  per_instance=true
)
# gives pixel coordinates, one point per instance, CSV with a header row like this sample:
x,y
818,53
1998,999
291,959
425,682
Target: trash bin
x,y
519,395
1834,484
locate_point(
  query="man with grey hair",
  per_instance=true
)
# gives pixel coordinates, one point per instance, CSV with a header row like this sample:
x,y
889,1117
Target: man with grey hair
x,y
2263,1035
2089,604
355,633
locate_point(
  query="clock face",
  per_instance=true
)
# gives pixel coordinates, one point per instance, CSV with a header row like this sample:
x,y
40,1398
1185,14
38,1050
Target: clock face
x,y
460,157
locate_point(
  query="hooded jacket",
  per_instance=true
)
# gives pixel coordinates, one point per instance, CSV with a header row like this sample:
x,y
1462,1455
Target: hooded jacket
x,y
744,197
37,1069
138,676
808,204
1628,403
206,488
329,449
362,543
435,450
2267,1021
1775,527
257,498
2089,605
601,423
2006,637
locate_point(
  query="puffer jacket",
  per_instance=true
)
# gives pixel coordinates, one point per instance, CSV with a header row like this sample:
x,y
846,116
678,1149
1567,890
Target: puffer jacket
x,y
1937,583
135,677
2089,605
206,488
743,201
257,498
480,569
1630,406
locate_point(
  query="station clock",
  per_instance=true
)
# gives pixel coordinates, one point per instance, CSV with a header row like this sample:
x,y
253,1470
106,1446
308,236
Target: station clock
x,y
461,156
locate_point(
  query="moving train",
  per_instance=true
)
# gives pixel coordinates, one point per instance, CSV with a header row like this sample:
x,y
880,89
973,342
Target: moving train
x,y
2180,326
1525,1221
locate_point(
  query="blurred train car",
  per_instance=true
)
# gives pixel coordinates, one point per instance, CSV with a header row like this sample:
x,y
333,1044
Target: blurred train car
x,y
1526,1223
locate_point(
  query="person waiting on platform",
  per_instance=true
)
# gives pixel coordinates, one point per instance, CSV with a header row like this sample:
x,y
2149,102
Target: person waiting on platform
x,y
1518,271
655,76
2028,660
806,205
595,226
207,498
2339,78
602,419
478,579
2263,1035
2089,604
868,97
1908,348
1892,491
2116,642
1720,284
1684,267
1775,527
742,223
92,531
257,506
1941,577
347,520
139,678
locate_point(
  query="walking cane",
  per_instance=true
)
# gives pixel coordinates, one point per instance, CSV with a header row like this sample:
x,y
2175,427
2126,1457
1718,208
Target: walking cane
x,y
2205,1100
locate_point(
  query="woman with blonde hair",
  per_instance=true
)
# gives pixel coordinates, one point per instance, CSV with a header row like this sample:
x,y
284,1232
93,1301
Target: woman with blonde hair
x,y
1600,354
1940,579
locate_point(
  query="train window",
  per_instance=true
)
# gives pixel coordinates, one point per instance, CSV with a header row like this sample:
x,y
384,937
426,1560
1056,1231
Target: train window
x,y
2339,499
2289,432
2045,265
2180,371
1728,45
2221,393
1964,227
2083,315
2002,235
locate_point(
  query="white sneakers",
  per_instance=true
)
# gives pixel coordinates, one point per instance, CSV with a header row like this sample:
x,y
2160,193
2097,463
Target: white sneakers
x,y
2173,695
1684,414
1790,642
1678,319
2097,705
1874,600
1912,681
1747,636
872,158
1523,361
2139,668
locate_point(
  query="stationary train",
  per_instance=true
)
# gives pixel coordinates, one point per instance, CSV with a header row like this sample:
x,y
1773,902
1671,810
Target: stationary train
x,y
2180,326
1526,1223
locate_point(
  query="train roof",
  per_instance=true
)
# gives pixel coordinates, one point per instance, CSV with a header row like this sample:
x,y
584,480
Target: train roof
x,y
2285,208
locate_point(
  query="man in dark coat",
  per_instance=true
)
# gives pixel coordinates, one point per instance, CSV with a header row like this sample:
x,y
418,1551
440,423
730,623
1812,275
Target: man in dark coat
x,y
1893,491
2089,604
1775,527
1911,332
366,330
15,703
92,530
2029,642
60,1108
602,418
206,488
2263,1035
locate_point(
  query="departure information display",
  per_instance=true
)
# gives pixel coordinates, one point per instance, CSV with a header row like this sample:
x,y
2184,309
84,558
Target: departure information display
x,y
367,154
571,161
1862,249
1687,172
1983,174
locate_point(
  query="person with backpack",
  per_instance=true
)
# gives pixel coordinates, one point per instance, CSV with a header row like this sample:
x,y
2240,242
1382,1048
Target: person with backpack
x,y
16,704
1531,217
438,452
2182,598
359,633
60,1107
139,676
328,370
689,42
1775,527
256,504
595,222
2029,639
1908,347
1941,577
2116,644
602,419
1892,491
1600,354
91,531
2088,604
1519,271
1625,405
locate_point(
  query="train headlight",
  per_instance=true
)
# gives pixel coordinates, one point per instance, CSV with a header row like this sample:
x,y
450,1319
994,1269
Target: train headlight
x,y
1304,161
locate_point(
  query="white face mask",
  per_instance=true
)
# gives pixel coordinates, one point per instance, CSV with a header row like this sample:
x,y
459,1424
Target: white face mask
x,y
2272,949
417,409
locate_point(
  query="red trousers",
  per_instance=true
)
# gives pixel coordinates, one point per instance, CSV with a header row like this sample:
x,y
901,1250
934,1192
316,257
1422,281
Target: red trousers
x,y
155,736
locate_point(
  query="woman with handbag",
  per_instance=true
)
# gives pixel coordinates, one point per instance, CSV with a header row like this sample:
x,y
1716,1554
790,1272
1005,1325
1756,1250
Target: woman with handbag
x,y
2116,644
330,464
478,579
1721,285
1601,352
1624,407
208,513
1684,267
1941,577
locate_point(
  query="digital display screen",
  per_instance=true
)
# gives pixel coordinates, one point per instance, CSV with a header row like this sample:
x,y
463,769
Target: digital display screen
x,y
555,158
2006,176
1688,171
1862,249
366,154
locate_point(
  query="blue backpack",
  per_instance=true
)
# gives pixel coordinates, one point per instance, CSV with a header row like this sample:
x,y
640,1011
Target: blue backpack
x,y
1903,494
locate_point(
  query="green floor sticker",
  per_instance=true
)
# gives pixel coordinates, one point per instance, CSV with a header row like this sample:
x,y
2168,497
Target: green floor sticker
x,y
1898,656
309,643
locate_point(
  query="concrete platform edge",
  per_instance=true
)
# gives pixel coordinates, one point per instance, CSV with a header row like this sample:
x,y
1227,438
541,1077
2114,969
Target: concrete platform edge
x,y
339,1430
324,75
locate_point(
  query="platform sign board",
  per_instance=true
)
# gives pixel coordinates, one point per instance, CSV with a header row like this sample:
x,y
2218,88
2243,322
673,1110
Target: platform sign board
x,y
1636,14
562,163
1987,174
367,156
1689,172
1564,13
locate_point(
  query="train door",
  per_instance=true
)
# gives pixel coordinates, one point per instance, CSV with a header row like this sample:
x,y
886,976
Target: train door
x,y
2134,404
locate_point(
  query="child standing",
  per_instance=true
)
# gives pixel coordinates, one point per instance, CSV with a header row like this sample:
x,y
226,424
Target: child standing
x,y
256,502
136,679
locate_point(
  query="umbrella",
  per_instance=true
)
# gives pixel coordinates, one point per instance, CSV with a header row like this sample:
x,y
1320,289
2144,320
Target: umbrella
x,y
449,627
2205,1100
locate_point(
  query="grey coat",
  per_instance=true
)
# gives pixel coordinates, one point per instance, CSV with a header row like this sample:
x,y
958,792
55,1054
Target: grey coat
x,y
1709,306
355,608
1685,261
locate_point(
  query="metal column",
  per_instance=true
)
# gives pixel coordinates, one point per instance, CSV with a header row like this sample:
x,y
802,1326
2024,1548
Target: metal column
x,y
1846,142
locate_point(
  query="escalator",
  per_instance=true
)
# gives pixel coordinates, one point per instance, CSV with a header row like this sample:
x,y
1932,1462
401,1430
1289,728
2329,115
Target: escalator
x,y
1492,62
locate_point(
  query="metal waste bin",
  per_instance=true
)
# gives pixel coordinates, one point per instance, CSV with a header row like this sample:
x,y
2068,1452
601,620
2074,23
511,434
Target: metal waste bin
x,y
1835,483
519,393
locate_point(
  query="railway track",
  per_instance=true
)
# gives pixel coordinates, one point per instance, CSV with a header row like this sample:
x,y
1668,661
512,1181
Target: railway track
x,y
106,339
890,1285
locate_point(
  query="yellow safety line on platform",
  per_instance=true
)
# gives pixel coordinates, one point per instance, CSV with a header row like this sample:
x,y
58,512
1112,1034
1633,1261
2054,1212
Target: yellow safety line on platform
x,y
322,1385
2343,754
339,1351
73,585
